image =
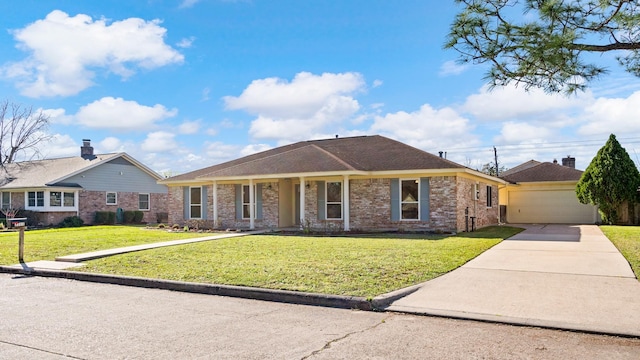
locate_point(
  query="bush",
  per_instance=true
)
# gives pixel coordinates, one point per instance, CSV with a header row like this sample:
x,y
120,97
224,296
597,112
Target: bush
x,y
129,216
161,226
104,218
71,221
138,216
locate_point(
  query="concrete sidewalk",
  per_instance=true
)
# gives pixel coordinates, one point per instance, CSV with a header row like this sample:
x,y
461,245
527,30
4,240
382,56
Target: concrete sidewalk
x,y
556,276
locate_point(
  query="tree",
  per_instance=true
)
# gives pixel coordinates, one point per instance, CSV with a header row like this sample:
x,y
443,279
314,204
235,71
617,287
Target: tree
x,y
547,51
22,130
490,169
610,179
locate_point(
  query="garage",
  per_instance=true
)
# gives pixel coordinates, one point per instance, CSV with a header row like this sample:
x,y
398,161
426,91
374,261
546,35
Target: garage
x,y
544,192
548,206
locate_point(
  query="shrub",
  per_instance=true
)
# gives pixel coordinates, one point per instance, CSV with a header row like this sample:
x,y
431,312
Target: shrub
x,y
105,218
161,226
138,216
71,221
33,217
129,215
175,227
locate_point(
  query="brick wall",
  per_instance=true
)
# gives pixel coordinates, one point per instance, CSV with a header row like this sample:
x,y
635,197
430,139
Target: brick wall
x,y
175,207
478,208
91,201
370,204
443,202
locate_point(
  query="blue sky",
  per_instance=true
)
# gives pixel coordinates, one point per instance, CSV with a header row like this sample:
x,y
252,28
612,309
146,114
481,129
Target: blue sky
x,y
185,84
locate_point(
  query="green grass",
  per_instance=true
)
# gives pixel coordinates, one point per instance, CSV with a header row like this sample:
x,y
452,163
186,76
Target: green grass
x,y
50,243
627,240
358,266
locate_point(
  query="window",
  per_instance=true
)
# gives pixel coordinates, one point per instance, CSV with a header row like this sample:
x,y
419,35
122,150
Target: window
x,y
69,199
36,198
6,200
112,198
489,196
334,200
55,198
246,203
195,202
409,201
143,201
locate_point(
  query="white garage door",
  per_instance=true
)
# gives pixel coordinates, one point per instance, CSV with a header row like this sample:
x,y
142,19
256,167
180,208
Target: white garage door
x,y
548,206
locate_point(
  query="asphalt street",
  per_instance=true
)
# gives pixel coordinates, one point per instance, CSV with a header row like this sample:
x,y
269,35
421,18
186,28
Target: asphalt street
x,y
46,318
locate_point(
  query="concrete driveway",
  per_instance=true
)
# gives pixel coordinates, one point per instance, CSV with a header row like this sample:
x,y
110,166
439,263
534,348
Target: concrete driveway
x,y
557,276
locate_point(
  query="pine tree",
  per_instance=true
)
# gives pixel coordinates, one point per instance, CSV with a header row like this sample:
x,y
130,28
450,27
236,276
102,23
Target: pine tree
x,y
611,179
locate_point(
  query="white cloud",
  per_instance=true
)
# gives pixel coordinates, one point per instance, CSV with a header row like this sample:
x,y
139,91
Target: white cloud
x,y
211,132
189,127
516,132
428,128
121,115
60,145
219,152
159,141
512,103
58,116
296,109
254,148
186,43
376,83
111,144
63,49
620,116
452,68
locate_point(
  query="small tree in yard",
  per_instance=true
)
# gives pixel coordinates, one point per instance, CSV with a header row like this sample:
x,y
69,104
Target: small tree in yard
x,y
611,179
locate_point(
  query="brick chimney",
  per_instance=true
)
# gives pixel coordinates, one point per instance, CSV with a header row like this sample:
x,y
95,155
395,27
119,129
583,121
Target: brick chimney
x,y
569,162
86,150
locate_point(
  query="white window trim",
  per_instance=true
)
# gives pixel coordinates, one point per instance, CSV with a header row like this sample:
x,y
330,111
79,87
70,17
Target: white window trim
x,y
191,204
106,198
148,202
255,209
47,206
62,198
407,202
2,204
327,203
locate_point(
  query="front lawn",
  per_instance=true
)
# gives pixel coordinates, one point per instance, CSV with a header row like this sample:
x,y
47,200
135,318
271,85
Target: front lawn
x,y
50,243
358,266
627,240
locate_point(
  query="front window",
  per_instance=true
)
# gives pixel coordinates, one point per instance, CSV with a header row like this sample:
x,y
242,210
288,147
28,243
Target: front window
x,y
334,200
246,203
55,198
6,200
410,200
112,198
143,201
69,199
36,198
195,201
489,196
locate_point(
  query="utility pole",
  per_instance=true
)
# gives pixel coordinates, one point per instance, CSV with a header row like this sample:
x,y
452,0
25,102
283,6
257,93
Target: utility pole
x,y
495,154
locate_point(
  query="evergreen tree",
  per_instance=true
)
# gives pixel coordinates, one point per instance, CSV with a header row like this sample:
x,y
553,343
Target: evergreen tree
x,y
611,179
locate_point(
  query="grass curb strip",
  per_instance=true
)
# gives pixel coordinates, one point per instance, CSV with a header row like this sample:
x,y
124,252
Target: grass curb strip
x,y
292,297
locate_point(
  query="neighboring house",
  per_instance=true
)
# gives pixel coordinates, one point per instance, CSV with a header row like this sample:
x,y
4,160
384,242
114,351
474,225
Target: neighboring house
x,y
355,183
82,185
544,192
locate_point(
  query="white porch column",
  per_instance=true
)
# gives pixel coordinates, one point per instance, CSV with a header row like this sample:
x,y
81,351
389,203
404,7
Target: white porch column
x,y
215,203
345,202
252,201
302,190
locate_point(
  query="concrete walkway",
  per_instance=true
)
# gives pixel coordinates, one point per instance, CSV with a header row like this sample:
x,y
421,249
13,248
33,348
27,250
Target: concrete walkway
x,y
71,261
557,276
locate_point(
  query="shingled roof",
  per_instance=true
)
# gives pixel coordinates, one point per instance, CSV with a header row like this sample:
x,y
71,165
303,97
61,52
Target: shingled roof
x,y
54,172
361,153
545,171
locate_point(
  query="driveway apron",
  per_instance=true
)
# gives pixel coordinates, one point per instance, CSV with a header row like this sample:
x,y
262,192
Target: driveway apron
x,y
558,276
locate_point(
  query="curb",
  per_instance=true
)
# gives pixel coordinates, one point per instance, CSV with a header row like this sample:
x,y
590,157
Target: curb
x,y
381,302
285,296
